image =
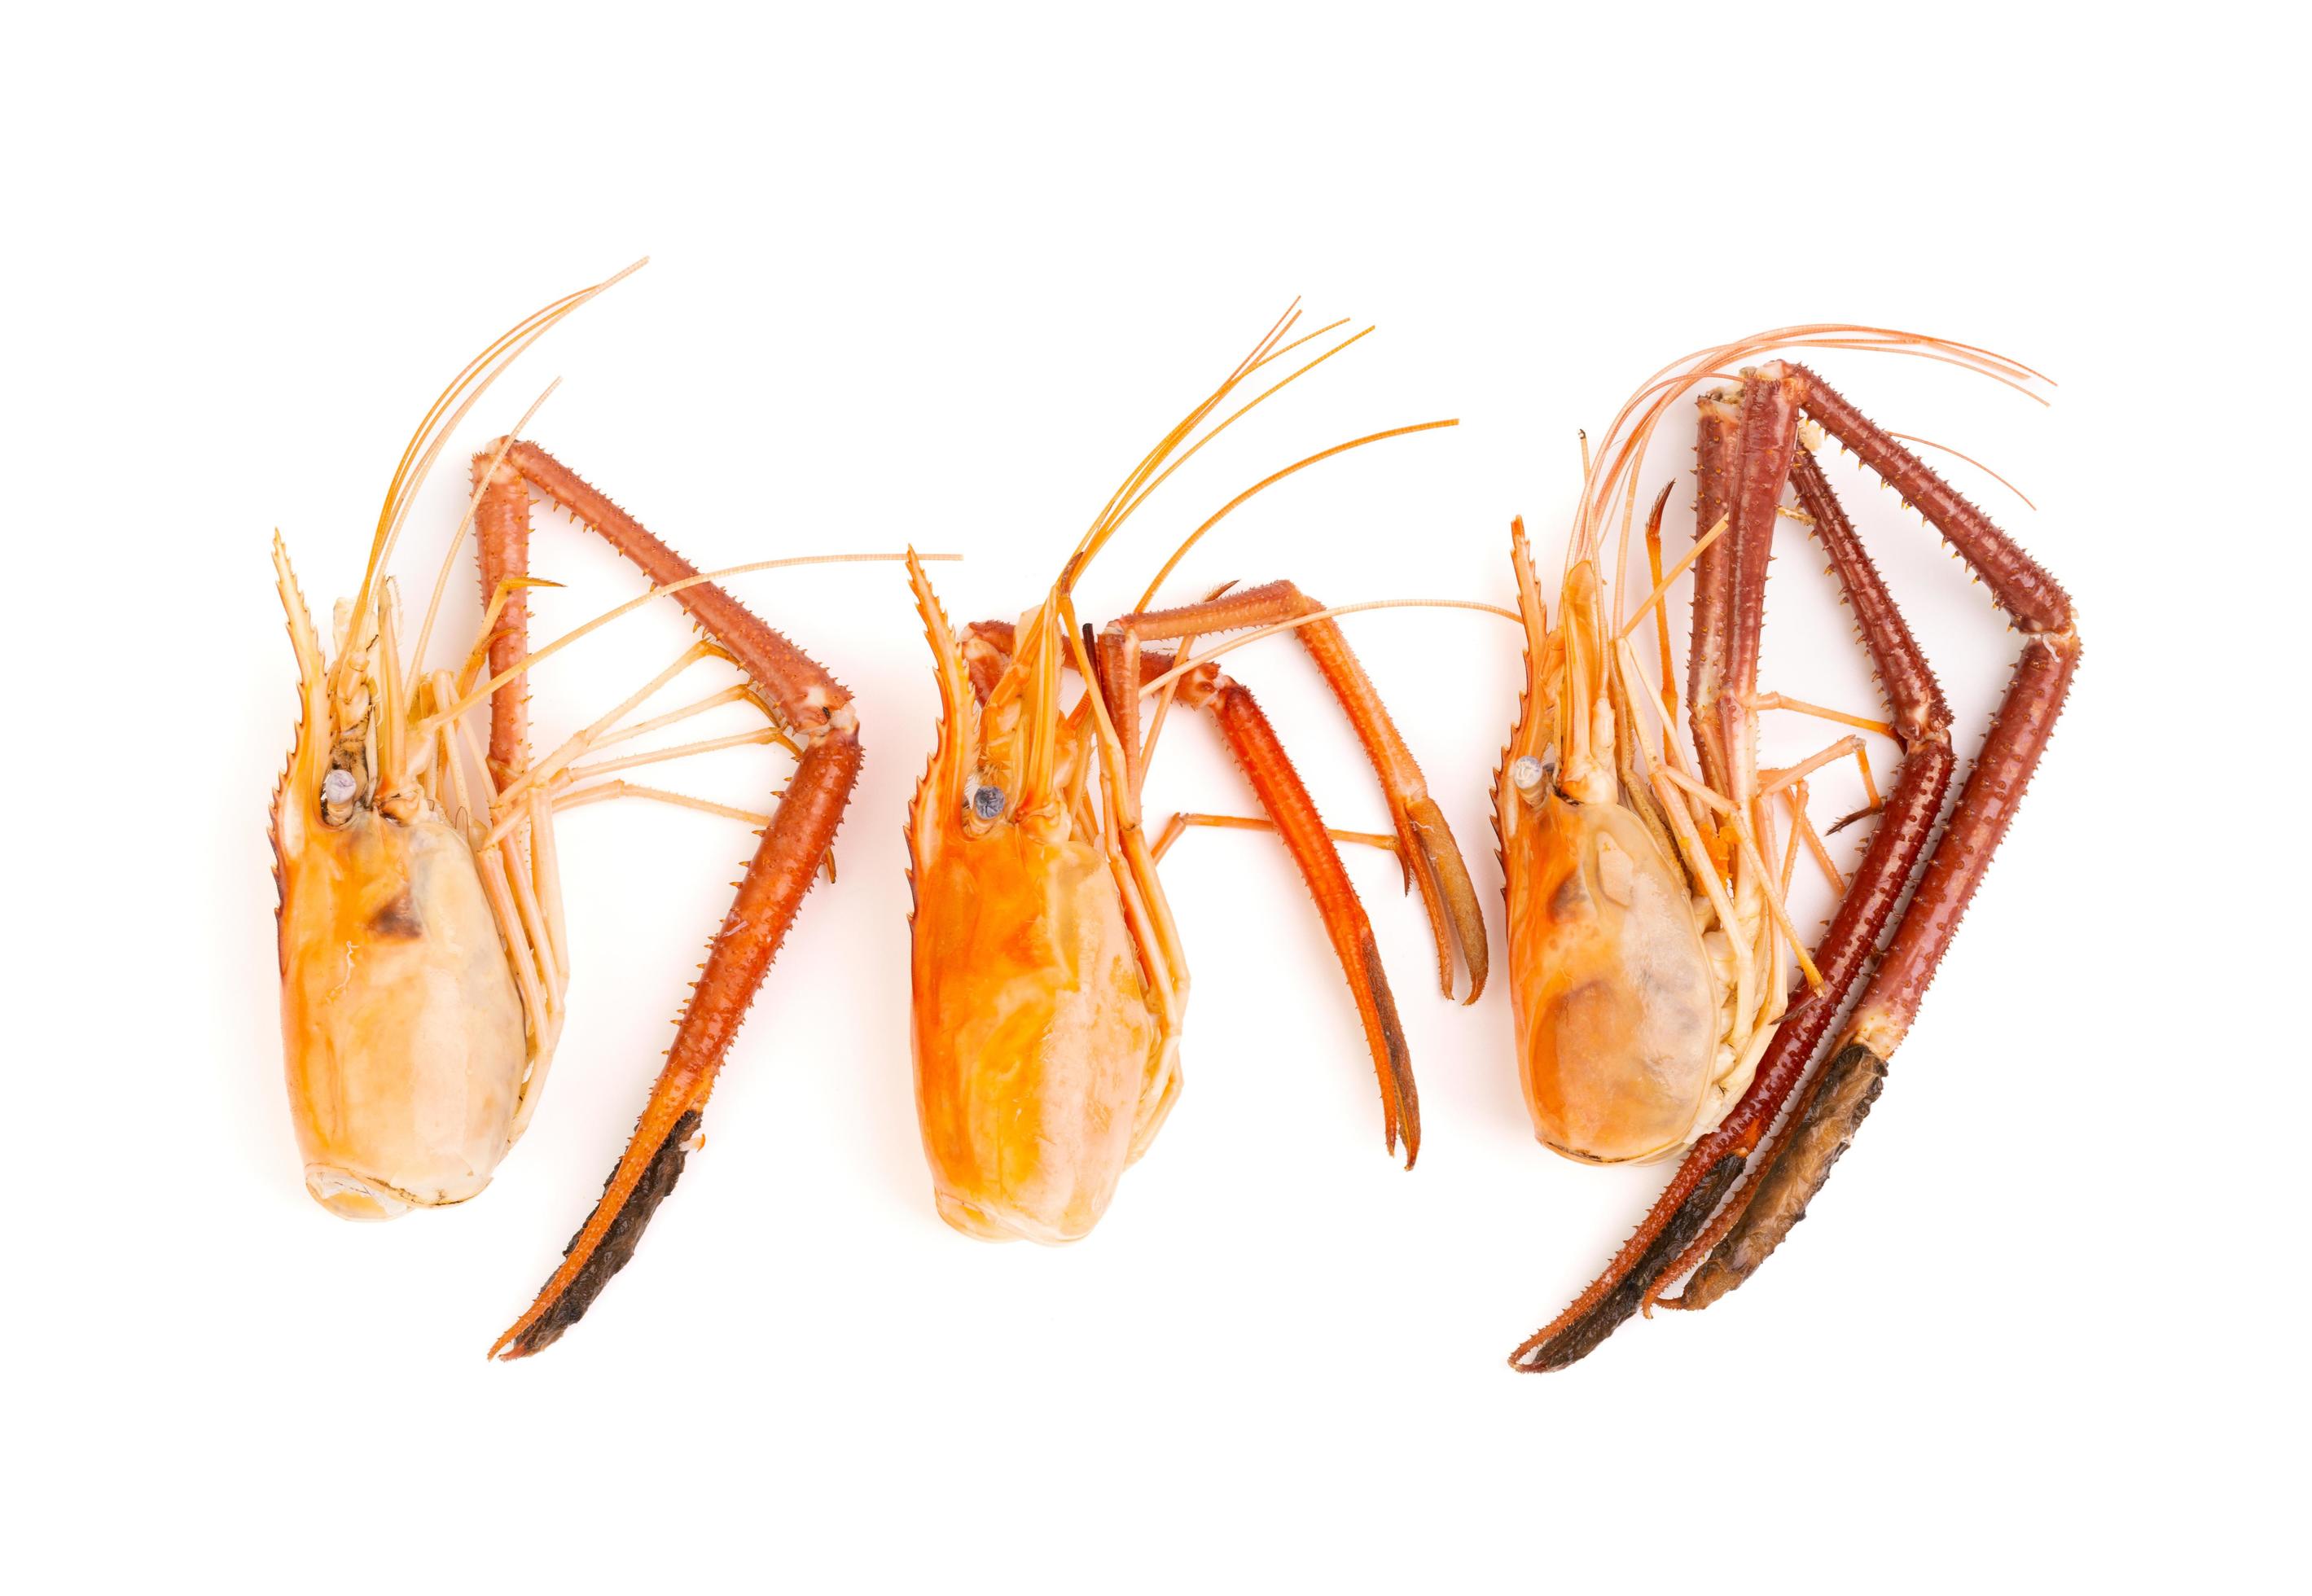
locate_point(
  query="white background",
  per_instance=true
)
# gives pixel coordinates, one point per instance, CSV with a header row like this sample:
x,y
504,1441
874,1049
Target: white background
x,y
942,277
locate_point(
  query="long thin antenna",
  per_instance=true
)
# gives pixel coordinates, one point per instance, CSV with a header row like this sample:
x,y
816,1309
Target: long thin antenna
x,y
433,430
481,694
466,521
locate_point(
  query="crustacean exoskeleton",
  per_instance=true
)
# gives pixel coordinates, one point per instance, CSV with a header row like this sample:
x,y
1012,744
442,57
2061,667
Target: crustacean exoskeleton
x,y
1049,982
424,958
1646,925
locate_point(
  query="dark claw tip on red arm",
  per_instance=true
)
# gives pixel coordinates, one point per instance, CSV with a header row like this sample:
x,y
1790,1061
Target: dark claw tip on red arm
x,y
617,1247
1850,1084
1579,1339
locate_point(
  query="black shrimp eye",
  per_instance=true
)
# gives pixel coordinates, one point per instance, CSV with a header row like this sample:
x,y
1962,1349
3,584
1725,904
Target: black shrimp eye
x,y
987,802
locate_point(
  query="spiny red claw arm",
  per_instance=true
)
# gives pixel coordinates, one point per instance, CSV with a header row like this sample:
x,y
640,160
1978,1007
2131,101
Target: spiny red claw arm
x,y
501,547
781,873
1717,471
2020,732
818,711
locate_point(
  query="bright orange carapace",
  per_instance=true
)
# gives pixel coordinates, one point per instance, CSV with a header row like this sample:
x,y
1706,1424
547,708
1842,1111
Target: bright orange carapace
x,y
1049,984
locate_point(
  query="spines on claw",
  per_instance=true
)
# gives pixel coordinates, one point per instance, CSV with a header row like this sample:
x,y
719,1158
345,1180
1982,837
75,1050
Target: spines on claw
x,y
1644,1265
786,864
1838,1100
782,872
1836,1104
1987,802
1905,826
1614,1296
2019,584
1767,441
1717,473
1909,684
502,549
612,1251
797,687
2020,732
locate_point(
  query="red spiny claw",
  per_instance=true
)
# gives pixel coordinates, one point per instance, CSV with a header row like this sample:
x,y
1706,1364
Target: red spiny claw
x,y
816,712
1840,1099
785,867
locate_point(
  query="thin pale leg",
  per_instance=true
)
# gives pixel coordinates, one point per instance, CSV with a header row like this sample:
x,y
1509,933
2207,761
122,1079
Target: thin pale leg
x,y
1179,824
1146,908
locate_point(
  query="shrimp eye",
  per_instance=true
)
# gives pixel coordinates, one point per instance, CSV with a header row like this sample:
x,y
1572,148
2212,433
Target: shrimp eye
x,y
986,802
1534,777
337,789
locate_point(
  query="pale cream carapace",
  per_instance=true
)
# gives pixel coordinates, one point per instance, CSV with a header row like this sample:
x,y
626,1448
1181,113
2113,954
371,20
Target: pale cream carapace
x,y
424,959
1617,1002
422,954
1646,938
404,1035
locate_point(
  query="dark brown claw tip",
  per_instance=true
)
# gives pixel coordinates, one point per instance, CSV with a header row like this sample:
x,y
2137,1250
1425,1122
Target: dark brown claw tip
x,y
617,1247
1579,1339
1850,1084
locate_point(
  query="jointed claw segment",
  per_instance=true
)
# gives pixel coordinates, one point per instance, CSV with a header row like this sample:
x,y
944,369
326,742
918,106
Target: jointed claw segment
x,y
815,711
